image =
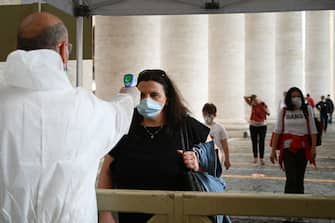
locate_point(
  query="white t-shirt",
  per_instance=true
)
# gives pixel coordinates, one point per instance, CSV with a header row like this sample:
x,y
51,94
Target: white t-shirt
x,y
295,122
218,133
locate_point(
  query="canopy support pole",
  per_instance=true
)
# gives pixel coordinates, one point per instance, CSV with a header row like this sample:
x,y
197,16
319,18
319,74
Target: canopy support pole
x,y
79,50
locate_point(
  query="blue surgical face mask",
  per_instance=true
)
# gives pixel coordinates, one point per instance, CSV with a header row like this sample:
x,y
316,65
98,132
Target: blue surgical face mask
x,y
296,101
149,108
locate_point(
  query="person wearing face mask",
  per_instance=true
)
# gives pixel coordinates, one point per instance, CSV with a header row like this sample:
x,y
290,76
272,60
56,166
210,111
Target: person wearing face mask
x,y
53,135
297,143
257,126
218,133
324,107
149,157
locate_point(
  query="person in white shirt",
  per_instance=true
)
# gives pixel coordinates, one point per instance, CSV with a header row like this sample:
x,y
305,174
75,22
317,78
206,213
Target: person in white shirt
x,y
295,136
52,135
217,132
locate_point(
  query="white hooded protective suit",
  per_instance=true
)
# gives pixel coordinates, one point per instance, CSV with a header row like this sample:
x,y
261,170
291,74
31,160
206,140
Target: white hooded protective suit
x,y
52,137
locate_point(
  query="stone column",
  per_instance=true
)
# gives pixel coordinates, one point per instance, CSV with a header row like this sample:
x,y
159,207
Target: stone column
x,y
260,58
124,44
332,53
184,55
317,54
87,73
226,66
289,53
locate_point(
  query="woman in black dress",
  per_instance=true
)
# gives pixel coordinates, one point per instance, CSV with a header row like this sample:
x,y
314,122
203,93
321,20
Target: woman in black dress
x,y
149,157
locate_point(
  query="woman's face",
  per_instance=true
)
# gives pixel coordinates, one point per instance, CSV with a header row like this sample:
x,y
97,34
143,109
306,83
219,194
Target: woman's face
x,y
296,99
153,90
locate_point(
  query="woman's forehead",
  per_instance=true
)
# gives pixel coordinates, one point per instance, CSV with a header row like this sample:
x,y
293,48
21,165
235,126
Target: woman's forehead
x,y
148,86
295,93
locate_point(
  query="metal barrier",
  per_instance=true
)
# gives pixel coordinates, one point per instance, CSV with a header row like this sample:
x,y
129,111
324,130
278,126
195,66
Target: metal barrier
x,y
192,207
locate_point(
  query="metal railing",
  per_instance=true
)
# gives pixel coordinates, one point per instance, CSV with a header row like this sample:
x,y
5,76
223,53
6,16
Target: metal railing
x,y
192,207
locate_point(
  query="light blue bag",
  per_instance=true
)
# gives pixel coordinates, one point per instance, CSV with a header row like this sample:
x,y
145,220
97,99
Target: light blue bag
x,y
208,180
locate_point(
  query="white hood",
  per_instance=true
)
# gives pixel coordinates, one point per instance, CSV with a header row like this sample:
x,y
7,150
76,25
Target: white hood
x,y
36,70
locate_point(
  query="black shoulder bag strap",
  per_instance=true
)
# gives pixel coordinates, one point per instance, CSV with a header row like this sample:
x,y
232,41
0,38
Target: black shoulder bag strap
x,y
184,140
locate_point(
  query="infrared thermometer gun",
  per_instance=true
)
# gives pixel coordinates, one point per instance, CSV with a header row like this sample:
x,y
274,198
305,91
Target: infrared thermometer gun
x,y
129,80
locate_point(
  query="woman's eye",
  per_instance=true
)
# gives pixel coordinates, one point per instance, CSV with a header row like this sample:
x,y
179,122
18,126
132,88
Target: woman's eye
x,y
142,96
153,95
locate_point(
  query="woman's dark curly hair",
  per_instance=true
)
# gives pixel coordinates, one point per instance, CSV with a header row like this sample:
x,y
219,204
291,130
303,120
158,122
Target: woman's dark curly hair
x,y
175,110
288,99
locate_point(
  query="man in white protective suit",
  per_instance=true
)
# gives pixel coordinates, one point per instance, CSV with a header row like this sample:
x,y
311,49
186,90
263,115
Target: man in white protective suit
x,y
52,135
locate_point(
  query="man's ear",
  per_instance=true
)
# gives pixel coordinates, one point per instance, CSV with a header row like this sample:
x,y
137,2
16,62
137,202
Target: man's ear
x,y
63,51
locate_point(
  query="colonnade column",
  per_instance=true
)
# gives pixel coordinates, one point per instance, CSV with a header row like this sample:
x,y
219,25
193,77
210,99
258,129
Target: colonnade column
x,y
332,53
289,53
317,54
184,55
260,58
226,66
124,44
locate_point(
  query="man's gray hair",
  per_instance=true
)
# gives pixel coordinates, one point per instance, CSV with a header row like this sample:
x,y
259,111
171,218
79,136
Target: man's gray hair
x,y
47,39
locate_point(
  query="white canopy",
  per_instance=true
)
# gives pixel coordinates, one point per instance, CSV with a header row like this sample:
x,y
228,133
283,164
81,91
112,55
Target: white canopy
x,y
80,8
174,7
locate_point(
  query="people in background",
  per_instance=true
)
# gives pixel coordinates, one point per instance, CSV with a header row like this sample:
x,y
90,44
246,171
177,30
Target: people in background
x,y
331,108
149,157
217,132
295,135
324,108
52,134
257,126
310,100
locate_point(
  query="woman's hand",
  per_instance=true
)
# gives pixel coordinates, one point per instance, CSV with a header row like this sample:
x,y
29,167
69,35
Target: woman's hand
x,y
273,156
313,155
190,159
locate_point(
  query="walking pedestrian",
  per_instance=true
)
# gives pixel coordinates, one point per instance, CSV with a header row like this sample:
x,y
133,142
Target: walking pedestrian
x,y
331,108
324,109
217,132
257,126
295,135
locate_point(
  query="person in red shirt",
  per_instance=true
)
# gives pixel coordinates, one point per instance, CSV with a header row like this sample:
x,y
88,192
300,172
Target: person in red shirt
x,y
257,127
310,100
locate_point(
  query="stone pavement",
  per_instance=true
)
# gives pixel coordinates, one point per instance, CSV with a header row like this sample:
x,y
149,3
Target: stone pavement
x,y
244,176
